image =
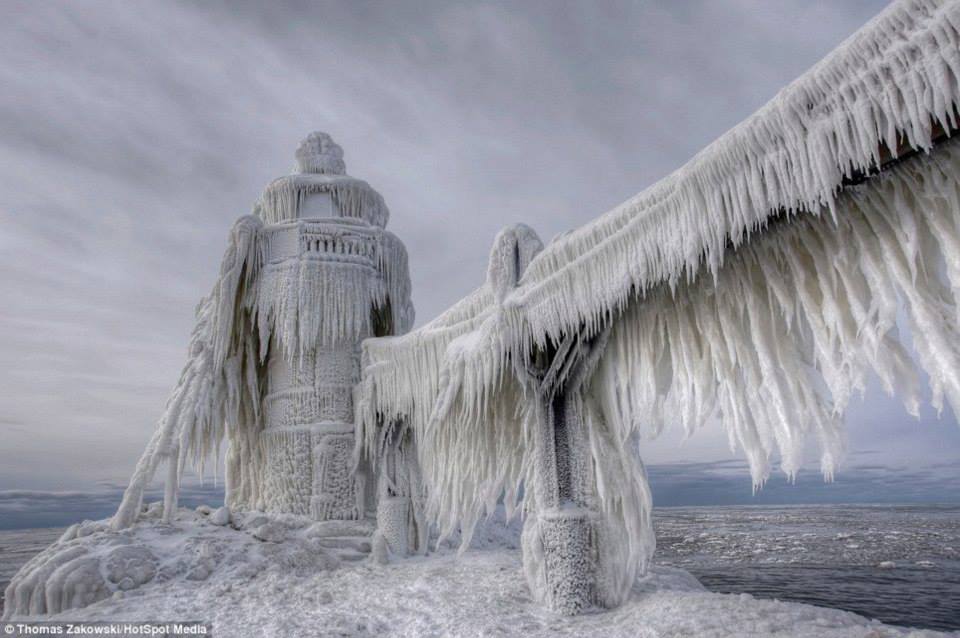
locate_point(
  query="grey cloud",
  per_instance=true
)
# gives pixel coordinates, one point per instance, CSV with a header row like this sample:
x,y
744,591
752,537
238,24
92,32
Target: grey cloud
x,y
132,134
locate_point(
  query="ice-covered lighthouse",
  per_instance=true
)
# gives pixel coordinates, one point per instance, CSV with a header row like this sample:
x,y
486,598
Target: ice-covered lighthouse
x,y
331,277
275,354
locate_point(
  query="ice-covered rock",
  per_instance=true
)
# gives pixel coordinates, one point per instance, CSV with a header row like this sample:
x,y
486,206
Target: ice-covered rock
x,y
220,516
253,521
380,551
86,528
364,527
200,570
153,510
85,569
26,593
130,566
271,532
69,534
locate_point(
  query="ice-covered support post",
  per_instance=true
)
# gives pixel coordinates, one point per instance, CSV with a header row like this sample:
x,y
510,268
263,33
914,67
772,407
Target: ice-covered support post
x,y
401,526
172,486
478,390
562,557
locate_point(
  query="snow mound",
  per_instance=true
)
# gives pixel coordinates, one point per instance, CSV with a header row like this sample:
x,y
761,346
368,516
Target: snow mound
x,y
92,562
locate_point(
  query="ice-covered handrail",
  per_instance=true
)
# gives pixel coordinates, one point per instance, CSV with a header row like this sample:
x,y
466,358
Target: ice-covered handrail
x,y
887,86
402,374
791,326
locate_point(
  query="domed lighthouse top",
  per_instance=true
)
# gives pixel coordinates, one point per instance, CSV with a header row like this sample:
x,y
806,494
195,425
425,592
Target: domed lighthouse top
x,y
321,188
318,153
330,269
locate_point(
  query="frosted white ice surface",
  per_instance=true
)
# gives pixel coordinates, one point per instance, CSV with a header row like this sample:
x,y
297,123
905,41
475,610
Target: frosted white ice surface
x,y
92,561
257,589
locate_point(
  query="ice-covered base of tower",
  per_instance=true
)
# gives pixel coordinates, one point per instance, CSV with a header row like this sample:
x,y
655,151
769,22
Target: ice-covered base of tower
x,y
245,586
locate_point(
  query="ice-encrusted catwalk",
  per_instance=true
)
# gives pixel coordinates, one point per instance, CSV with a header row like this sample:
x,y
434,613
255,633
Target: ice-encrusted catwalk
x,y
756,287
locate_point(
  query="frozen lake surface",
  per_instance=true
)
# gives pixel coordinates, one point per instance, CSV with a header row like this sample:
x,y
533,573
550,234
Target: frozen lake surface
x,y
898,564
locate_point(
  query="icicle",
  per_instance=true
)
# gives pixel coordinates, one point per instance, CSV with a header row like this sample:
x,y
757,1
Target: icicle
x,y
354,198
837,326
193,421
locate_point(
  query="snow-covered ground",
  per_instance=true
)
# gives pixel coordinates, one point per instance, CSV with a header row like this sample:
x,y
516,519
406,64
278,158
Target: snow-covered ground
x,y
307,584
482,593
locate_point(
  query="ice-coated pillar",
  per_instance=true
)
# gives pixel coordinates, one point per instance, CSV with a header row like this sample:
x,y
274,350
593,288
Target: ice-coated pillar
x,y
330,277
308,435
561,548
570,556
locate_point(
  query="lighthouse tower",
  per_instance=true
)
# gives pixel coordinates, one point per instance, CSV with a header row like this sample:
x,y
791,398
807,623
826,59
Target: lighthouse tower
x,y
331,276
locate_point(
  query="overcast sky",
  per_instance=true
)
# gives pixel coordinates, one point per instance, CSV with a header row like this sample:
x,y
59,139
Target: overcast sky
x,y
132,135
